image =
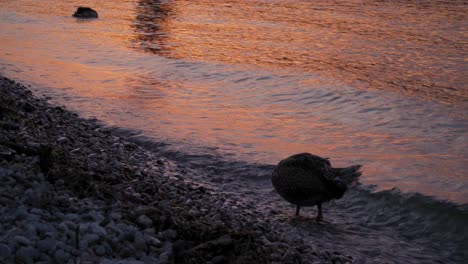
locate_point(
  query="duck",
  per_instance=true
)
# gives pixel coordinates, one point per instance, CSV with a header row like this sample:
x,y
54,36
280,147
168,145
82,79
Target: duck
x,y
307,180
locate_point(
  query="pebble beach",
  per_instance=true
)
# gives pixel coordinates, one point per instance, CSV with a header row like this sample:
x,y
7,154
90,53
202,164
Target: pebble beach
x,y
73,192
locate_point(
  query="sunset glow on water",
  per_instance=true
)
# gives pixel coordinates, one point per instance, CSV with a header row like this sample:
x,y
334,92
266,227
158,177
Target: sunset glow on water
x,y
256,81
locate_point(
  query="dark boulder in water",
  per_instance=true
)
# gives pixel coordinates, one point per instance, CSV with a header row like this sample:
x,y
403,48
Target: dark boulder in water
x,y
85,12
308,180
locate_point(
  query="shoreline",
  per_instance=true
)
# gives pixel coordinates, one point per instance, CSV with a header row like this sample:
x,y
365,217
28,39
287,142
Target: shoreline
x,y
73,192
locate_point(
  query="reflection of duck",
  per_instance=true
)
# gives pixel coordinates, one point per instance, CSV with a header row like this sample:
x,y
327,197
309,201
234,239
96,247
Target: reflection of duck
x,y
307,180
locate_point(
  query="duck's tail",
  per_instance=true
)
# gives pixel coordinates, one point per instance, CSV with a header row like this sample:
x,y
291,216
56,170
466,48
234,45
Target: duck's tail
x,y
349,175
338,180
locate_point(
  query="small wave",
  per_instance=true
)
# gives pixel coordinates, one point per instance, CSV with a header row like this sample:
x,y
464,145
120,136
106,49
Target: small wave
x,y
438,223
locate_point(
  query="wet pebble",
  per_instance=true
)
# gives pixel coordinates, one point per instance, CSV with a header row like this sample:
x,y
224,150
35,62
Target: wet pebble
x,y
5,251
26,255
46,245
145,221
61,256
100,250
21,240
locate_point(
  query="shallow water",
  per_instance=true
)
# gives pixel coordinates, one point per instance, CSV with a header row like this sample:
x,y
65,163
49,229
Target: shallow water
x,y
231,88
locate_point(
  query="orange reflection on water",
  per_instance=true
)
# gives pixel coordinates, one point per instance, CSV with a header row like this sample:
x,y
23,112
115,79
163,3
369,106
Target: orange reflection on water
x,y
417,48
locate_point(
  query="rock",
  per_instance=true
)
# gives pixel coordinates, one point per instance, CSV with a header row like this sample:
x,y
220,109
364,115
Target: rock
x,y
149,260
164,204
164,258
224,240
36,211
21,213
219,260
97,229
90,238
140,242
44,259
168,234
61,256
194,212
28,107
85,12
116,216
145,221
6,152
167,253
46,245
5,251
62,140
72,217
275,256
26,255
290,256
100,250
22,240
9,125
151,240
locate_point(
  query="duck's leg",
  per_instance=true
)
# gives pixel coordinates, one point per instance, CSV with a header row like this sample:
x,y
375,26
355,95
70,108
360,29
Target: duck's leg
x,y
319,216
298,207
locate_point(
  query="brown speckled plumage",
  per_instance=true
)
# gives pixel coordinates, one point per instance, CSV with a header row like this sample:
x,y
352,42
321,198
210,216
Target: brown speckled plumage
x,y
307,180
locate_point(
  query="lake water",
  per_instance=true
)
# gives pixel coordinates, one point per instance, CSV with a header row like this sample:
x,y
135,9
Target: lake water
x,y
229,88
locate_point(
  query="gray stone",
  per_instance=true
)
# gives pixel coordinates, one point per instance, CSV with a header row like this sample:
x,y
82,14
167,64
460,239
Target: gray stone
x,y
100,250
70,225
75,252
164,204
137,196
21,213
36,211
47,245
90,238
45,228
219,260
116,216
61,256
151,240
83,244
289,256
31,231
194,212
5,251
145,221
26,255
140,242
62,227
97,229
168,234
149,260
164,258
132,160
72,217
62,140
45,259
150,231
275,256
21,240
130,190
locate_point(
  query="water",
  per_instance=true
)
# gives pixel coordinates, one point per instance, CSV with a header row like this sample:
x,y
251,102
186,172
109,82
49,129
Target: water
x,y
231,87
